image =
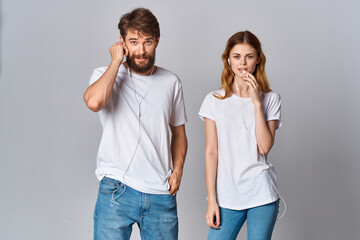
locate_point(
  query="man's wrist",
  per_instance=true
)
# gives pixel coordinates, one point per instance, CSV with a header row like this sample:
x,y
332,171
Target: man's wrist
x,y
116,62
178,171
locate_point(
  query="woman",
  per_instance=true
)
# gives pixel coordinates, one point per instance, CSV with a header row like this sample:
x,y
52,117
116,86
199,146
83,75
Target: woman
x,y
240,123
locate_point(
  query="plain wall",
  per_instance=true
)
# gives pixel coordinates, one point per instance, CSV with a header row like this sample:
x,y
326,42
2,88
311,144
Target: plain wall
x,y
49,139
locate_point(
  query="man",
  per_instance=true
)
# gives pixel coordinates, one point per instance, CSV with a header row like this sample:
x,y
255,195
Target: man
x,y
139,168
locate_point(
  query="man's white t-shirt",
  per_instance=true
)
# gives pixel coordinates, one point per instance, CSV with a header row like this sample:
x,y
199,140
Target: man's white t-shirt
x,y
145,166
244,178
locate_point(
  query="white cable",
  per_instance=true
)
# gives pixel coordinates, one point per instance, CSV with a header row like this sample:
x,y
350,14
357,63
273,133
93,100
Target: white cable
x,y
237,87
139,116
277,190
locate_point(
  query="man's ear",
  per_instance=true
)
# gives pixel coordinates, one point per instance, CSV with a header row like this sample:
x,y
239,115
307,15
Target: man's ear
x,y
122,40
157,41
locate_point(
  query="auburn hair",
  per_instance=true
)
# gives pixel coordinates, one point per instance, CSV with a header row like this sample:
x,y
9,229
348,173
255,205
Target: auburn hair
x,y
227,77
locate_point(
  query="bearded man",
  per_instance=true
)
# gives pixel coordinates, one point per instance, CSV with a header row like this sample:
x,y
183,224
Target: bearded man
x,y
139,165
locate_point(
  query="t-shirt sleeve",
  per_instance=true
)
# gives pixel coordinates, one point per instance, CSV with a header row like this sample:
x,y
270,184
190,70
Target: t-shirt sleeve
x,y
207,108
273,110
178,114
97,73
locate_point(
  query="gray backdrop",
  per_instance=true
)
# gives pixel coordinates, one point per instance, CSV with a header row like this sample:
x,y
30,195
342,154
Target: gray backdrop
x,y
49,139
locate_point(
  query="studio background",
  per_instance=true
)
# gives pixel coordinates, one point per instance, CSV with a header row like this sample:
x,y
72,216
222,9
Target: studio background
x,y
49,139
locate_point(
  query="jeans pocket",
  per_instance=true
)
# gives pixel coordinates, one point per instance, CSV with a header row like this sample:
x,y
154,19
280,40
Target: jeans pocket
x,y
112,187
118,193
107,187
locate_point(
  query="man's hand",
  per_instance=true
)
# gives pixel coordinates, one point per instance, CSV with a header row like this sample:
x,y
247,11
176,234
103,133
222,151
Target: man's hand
x,y
117,52
174,182
178,152
99,93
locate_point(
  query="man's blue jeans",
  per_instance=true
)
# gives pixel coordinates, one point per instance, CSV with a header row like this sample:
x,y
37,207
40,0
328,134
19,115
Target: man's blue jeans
x,y
119,206
260,222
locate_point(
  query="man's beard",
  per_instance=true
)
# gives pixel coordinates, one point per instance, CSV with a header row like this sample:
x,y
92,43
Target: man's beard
x,y
143,68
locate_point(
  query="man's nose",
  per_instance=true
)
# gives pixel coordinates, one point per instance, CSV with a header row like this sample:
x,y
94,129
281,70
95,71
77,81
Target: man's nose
x,y
141,49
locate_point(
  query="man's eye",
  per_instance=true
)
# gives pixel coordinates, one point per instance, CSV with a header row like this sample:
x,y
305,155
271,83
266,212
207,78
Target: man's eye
x,y
149,42
133,42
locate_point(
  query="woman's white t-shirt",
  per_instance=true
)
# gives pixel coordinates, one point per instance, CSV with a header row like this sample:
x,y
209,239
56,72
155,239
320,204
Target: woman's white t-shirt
x,y
244,178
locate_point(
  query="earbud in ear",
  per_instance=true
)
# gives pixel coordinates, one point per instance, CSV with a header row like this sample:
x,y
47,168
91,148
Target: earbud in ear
x,y
229,61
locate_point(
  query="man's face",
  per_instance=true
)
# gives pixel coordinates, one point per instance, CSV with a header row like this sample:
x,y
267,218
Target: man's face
x,y
141,57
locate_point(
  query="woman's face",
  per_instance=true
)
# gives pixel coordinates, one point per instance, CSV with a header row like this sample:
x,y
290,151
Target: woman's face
x,y
243,57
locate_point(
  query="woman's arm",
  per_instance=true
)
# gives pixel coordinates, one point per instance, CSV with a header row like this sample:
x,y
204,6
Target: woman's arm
x,y
211,163
264,131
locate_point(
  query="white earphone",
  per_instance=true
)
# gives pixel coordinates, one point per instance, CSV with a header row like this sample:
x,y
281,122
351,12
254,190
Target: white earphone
x,y
285,207
139,115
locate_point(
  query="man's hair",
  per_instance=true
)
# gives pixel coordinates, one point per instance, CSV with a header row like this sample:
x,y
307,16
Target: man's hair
x,y
141,20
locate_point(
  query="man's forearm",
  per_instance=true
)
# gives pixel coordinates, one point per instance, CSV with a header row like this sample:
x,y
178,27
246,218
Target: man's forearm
x,y
98,94
178,151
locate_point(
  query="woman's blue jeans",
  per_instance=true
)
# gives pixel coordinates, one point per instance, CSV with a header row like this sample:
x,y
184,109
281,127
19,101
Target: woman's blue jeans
x,y
119,206
260,222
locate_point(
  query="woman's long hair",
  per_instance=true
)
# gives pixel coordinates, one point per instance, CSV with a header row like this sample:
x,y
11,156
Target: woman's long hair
x,y
227,77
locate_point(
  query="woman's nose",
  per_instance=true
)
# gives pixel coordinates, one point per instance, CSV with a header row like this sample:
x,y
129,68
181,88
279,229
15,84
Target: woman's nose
x,y
242,61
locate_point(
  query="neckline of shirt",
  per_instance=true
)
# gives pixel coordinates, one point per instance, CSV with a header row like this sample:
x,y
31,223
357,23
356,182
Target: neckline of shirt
x,y
244,98
138,76
240,98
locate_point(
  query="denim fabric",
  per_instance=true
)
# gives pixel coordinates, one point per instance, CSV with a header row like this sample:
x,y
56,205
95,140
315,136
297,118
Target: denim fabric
x,y
260,222
119,206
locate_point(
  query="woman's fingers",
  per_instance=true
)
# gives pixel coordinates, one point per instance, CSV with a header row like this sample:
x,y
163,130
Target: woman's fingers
x,y
251,78
208,221
250,82
217,215
249,75
211,222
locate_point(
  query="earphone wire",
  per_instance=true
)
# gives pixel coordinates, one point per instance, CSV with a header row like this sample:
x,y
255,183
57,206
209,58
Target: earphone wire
x,y
237,87
277,190
139,117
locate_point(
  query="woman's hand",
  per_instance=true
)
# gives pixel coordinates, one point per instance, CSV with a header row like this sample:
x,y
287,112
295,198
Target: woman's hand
x,y
254,88
213,215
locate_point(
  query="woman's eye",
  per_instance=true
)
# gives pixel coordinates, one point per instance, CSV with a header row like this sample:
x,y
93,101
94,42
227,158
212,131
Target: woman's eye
x,y
236,57
250,57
